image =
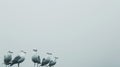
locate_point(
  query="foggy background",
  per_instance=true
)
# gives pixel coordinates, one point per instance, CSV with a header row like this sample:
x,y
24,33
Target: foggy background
x,y
82,33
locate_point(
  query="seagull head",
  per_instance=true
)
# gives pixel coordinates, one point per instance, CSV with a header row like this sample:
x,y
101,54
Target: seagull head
x,y
56,57
10,52
35,50
49,53
23,51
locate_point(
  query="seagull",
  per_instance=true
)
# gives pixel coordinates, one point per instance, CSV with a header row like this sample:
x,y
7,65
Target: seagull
x,y
35,57
8,58
19,58
45,61
52,63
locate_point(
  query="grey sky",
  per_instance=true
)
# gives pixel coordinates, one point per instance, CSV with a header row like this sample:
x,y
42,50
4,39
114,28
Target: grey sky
x,y
82,33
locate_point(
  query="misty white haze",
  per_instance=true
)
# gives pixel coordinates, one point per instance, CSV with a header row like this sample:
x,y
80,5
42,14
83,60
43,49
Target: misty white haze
x,y
82,33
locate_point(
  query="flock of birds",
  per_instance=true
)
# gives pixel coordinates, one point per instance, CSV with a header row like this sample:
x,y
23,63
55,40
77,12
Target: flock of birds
x,y
48,62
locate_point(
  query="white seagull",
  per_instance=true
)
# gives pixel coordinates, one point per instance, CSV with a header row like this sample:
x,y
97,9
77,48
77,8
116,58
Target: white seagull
x,y
19,58
8,58
45,61
52,62
35,57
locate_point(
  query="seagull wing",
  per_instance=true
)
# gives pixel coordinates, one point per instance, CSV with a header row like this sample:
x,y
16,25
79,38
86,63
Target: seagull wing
x,y
38,59
21,59
43,61
52,63
15,60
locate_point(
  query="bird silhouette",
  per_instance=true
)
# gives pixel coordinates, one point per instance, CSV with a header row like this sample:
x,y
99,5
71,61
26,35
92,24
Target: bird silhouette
x,y
52,62
35,57
19,58
8,58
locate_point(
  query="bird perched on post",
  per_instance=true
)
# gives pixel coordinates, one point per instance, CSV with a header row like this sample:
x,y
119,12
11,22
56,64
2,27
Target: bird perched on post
x,y
8,58
19,58
35,57
52,62
45,61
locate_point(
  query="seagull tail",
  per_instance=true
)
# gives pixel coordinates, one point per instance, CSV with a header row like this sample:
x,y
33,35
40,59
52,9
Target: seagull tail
x,y
42,65
11,64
